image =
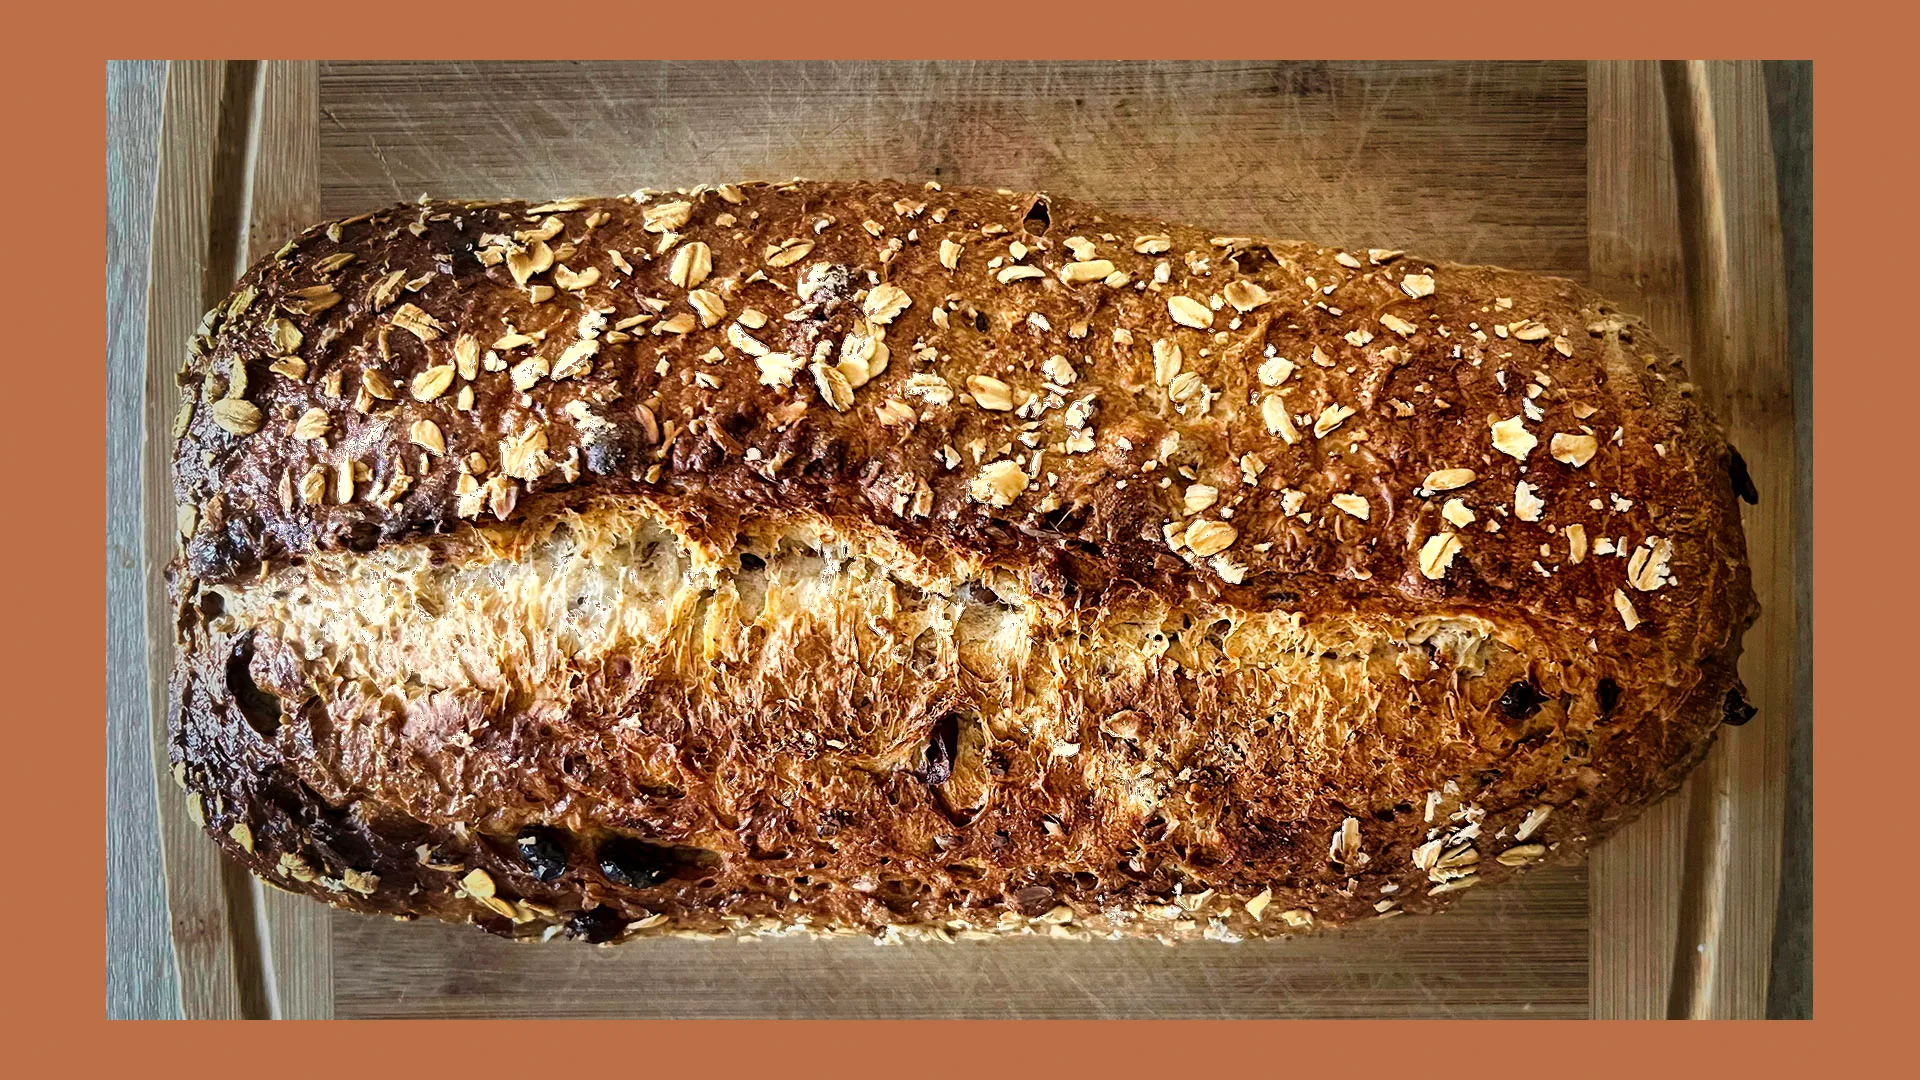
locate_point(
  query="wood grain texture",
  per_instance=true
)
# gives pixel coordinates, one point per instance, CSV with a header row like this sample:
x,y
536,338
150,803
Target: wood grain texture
x,y
216,952
1635,254
1468,161
1700,929
1754,392
238,171
1478,162
1511,952
280,194
140,981
1719,293
1790,109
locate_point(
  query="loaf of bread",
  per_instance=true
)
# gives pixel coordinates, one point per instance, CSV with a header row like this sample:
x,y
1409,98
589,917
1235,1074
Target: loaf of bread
x,y
877,558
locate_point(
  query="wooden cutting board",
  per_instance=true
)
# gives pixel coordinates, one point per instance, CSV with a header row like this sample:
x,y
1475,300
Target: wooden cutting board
x,y
1565,168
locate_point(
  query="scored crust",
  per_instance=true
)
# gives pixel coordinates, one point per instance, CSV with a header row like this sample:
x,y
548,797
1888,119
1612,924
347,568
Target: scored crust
x,y
864,557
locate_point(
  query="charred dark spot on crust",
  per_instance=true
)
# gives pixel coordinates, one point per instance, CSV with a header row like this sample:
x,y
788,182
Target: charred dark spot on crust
x,y
315,724
942,744
1038,219
608,449
1521,701
1742,480
820,452
740,422
634,863
980,321
261,709
599,925
544,852
1608,696
326,834
1737,711
1085,574
361,535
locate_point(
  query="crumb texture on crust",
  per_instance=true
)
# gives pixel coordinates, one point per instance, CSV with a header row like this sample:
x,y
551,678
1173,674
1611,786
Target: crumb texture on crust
x,y
864,556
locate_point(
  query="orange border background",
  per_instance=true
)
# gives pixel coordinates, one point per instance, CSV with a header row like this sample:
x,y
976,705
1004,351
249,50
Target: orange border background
x,y
1864,734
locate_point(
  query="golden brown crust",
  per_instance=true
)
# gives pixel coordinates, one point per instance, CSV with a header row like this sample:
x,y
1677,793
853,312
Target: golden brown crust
x,y
1232,565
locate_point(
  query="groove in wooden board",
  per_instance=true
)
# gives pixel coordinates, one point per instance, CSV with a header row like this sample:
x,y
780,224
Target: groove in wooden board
x,y
1755,395
1703,247
1475,161
1479,162
1511,952
1730,232
140,980
280,193
1744,377
1790,109
215,952
252,130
